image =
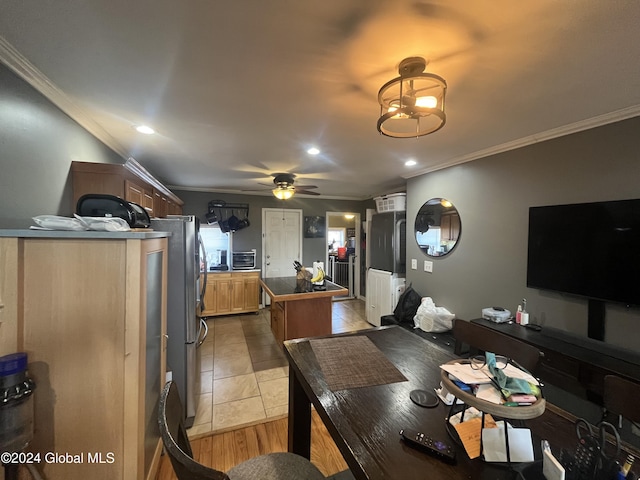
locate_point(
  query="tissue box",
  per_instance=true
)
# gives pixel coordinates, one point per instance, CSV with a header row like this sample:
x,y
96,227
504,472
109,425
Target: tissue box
x,y
498,316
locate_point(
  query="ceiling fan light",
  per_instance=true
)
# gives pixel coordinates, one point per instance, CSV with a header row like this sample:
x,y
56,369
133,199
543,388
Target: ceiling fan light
x,y
415,101
283,193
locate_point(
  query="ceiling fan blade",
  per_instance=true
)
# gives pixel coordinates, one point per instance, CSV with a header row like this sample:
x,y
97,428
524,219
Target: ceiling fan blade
x,y
306,192
306,186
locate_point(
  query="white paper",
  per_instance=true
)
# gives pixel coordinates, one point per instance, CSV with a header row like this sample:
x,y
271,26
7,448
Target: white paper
x,y
551,467
464,373
489,393
520,445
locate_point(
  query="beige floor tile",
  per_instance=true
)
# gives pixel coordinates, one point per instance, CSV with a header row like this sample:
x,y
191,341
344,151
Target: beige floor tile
x,y
230,350
277,412
219,321
238,413
205,409
272,373
275,393
206,363
207,348
235,388
230,367
228,338
206,382
200,429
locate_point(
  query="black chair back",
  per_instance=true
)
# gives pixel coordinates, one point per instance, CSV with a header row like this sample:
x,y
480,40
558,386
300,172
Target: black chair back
x,y
176,441
480,338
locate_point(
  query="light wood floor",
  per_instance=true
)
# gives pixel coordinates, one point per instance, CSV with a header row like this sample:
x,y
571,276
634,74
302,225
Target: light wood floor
x,y
223,451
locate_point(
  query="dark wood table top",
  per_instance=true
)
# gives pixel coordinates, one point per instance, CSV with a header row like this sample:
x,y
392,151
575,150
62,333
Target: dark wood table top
x,y
283,289
365,422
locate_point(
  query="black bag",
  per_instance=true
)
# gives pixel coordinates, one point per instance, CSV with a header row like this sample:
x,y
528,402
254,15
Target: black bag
x,y
98,205
407,306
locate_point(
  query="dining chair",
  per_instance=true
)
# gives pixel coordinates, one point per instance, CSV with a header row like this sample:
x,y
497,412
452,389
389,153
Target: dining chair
x,y
272,466
481,339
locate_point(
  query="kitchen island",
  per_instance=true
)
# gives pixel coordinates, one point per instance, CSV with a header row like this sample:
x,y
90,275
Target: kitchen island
x,y
297,315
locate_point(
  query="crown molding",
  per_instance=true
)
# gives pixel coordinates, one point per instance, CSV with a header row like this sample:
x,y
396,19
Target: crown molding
x,y
576,127
22,67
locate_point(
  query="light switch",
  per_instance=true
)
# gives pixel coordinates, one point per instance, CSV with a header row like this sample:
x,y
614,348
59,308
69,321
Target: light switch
x,y
428,266
414,264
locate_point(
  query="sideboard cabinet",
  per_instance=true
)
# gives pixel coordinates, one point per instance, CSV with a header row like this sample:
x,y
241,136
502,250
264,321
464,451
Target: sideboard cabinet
x,y
89,308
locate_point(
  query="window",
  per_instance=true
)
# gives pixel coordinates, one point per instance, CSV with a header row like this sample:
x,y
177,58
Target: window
x,y
217,244
336,238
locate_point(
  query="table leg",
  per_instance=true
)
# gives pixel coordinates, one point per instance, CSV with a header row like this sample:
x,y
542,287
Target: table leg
x,y
299,418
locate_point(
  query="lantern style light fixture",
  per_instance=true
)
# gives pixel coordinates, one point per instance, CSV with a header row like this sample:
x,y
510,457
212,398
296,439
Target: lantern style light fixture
x,y
412,105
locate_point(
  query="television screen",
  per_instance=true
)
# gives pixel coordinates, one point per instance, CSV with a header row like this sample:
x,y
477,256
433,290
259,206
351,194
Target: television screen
x,y
587,249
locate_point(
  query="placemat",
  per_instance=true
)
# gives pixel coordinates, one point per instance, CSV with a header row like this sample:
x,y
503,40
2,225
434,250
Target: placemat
x,y
352,362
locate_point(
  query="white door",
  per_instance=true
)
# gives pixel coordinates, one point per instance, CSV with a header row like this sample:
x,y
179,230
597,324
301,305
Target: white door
x,y
281,242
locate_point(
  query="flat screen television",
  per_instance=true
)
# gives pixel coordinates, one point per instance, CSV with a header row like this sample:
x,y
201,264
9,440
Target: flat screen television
x,y
587,249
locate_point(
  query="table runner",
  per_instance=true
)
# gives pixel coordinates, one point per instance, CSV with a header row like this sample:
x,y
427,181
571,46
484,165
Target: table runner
x,y
352,362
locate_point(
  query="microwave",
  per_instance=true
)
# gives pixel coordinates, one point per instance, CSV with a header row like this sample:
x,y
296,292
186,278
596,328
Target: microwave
x,y
243,260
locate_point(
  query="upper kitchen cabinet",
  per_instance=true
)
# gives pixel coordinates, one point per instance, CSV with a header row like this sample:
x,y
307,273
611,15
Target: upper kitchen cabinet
x,y
130,181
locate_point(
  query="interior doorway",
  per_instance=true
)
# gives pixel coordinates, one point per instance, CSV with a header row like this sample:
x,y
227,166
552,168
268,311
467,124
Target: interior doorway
x,y
343,232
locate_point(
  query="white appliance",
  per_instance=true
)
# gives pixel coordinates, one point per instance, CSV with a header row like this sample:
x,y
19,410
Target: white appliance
x,y
383,290
185,330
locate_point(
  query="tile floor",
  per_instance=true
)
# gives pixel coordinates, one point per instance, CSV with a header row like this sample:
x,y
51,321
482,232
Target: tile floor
x,y
244,373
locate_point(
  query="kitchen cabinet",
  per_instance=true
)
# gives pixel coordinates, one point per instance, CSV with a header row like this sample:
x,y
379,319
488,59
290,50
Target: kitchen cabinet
x,y
89,308
449,227
132,183
231,292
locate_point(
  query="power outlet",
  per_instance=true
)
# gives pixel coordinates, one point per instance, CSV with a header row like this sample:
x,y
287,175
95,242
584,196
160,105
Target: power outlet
x,y
414,264
428,266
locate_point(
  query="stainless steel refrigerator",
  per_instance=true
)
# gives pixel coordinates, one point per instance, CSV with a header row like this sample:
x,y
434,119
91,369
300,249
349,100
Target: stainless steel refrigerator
x,y
387,242
186,331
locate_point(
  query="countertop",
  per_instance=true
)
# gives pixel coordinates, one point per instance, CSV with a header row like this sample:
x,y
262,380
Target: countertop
x,y
85,234
238,270
282,289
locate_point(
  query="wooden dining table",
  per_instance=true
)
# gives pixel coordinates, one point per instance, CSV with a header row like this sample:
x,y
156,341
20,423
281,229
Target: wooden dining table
x,y
365,408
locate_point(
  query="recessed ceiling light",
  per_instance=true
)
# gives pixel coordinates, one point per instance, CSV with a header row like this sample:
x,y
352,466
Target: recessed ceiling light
x,y
146,130
410,163
313,151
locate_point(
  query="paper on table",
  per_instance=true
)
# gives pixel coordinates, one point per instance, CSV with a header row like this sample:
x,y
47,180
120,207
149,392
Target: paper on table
x,y
520,445
469,433
464,373
514,372
489,393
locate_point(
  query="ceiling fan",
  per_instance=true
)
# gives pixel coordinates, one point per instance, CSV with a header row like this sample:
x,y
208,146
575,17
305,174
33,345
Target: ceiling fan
x,y
284,188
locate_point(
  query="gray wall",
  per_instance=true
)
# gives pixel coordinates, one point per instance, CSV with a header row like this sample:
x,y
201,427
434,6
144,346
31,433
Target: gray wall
x,y
38,142
493,195
313,249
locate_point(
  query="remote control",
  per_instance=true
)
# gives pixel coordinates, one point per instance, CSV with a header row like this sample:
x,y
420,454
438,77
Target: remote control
x,y
424,442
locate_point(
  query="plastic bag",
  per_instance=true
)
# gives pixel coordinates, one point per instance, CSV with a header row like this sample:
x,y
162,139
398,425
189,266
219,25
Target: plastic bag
x,y
431,318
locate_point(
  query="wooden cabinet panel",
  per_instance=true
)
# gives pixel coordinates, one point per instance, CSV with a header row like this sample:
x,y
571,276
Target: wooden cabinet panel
x,y
232,292
92,318
251,293
113,179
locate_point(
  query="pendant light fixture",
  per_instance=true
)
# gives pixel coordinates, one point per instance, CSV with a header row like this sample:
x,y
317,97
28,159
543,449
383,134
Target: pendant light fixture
x,y
412,105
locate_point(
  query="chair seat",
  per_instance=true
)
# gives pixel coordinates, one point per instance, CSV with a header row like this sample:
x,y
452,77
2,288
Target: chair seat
x,y
276,466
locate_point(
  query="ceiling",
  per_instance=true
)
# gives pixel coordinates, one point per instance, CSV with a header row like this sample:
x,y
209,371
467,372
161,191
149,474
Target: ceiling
x,y
238,90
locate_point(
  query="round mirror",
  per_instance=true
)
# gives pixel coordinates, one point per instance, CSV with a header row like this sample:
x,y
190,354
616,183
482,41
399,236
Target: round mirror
x,y
437,227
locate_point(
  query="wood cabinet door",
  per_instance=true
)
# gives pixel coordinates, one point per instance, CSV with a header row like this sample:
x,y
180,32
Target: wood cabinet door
x,y
251,293
237,293
133,193
223,295
209,300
